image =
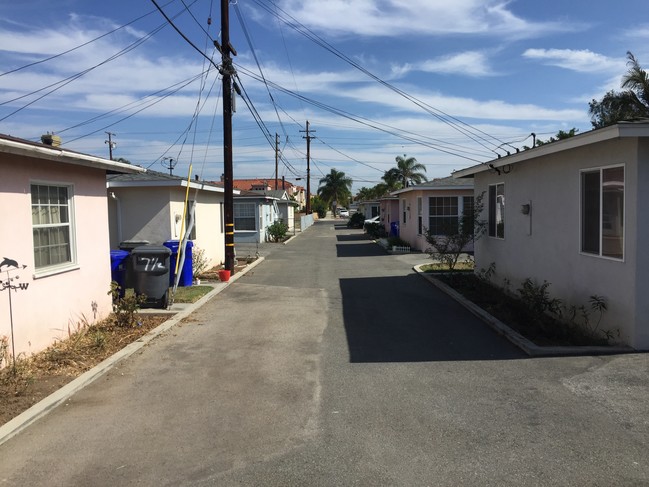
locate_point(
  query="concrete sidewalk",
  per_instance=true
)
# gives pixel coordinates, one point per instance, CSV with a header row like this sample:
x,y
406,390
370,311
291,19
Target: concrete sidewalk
x,y
177,312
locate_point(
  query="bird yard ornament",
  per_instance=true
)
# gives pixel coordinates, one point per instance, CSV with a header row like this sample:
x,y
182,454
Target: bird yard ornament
x,y
12,283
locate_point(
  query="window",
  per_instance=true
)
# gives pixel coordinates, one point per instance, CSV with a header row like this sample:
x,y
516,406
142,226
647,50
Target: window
x,y
244,216
403,209
602,212
443,215
497,210
52,225
468,222
419,216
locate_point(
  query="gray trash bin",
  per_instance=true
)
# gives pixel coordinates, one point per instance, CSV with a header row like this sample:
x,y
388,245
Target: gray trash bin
x,y
150,265
128,246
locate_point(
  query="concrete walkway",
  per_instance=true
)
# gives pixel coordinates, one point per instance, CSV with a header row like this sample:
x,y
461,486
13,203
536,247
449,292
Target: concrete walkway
x,y
333,363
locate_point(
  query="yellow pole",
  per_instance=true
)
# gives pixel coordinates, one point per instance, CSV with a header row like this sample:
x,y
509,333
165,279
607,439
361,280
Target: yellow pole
x,y
182,225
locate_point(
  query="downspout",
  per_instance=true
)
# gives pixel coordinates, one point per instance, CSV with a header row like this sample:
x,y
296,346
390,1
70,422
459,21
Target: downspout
x,y
118,218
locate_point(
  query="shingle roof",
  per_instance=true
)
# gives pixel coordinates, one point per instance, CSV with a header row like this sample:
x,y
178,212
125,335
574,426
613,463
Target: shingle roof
x,y
153,178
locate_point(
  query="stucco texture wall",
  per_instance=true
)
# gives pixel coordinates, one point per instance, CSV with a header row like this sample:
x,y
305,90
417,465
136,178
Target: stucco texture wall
x,y
208,221
545,245
409,230
51,304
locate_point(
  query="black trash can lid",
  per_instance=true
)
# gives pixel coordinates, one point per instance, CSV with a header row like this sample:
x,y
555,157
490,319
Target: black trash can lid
x,y
131,244
151,250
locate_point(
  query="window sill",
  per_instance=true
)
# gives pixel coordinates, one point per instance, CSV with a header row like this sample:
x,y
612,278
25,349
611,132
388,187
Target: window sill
x,y
52,271
603,257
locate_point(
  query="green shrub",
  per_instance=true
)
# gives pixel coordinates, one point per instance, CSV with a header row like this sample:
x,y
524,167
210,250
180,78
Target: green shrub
x,y
397,242
356,220
200,263
125,309
277,231
319,206
375,230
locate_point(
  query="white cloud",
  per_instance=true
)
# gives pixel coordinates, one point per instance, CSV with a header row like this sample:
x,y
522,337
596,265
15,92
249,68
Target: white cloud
x,y
584,61
391,18
470,63
462,107
638,32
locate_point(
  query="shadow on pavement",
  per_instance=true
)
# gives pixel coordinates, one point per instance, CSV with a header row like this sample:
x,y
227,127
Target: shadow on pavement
x,y
369,249
402,319
354,237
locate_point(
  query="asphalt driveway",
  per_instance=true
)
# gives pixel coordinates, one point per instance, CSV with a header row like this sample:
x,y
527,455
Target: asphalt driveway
x,y
332,363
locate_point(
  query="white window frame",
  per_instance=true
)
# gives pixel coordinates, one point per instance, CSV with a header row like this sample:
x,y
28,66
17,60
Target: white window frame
x,y
237,206
601,170
47,270
495,212
455,216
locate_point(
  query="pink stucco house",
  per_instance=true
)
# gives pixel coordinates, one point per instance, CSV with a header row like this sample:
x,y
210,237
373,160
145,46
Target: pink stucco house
x,y
54,252
430,205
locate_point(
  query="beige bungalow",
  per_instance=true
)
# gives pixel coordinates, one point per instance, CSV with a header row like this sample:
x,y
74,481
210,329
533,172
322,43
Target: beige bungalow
x,y
55,259
150,207
570,213
430,205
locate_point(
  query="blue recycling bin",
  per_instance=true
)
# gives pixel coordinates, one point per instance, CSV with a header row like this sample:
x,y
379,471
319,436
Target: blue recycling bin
x,y
186,272
118,263
394,229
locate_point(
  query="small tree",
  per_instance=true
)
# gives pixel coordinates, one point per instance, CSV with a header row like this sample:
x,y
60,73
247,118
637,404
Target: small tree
x,y
447,248
319,206
277,231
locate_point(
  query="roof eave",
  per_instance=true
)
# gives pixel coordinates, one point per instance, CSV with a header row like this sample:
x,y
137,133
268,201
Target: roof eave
x,y
64,156
620,130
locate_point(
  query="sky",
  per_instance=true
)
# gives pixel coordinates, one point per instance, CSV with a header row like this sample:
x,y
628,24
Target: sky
x,y
452,84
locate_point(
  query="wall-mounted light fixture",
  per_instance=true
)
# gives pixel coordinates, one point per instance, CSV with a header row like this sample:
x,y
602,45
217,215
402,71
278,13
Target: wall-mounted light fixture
x,y
525,209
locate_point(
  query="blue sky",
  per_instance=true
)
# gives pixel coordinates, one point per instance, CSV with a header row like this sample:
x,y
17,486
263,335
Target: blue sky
x,y
450,83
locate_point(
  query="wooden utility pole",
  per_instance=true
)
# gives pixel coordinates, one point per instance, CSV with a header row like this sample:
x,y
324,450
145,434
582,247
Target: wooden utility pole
x,y
276,157
111,144
308,167
227,70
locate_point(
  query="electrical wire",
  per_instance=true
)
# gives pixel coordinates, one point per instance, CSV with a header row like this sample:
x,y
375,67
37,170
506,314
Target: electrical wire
x,y
55,56
477,135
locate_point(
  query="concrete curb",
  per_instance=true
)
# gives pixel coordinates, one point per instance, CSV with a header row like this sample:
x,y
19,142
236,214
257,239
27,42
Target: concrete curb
x,y
43,407
516,338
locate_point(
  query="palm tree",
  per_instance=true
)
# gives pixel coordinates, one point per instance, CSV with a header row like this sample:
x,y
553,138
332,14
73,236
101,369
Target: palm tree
x,y
393,178
632,103
335,186
409,170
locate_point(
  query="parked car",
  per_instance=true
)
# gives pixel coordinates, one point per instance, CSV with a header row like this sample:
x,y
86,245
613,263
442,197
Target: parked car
x,y
374,219
343,213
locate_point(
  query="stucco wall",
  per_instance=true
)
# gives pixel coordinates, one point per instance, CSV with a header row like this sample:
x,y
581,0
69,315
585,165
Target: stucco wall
x,y
545,245
44,311
409,230
642,237
209,222
149,213
145,215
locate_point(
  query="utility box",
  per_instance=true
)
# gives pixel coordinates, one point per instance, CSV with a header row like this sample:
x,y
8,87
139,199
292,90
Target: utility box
x,y
150,265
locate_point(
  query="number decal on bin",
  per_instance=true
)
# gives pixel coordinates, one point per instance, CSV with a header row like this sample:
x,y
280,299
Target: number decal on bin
x,y
150,263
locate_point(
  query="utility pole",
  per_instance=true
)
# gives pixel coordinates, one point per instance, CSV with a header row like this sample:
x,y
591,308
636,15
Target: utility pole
x,y
111,144
227,70
308,167
276,157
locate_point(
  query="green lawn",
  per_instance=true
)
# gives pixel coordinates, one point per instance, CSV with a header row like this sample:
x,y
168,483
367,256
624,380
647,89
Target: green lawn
x,y
191,294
